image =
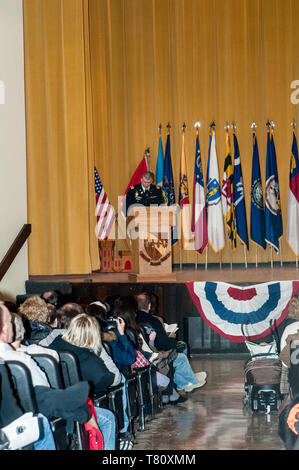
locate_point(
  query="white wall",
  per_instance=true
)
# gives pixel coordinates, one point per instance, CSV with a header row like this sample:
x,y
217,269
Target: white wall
x,y
13,191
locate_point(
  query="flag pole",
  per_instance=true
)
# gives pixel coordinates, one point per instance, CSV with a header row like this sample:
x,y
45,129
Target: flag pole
x,y
206,263
280,251
293,124
197,126
272,125
147,154
234,127
245,255
184,127
253,127
226,127
271,248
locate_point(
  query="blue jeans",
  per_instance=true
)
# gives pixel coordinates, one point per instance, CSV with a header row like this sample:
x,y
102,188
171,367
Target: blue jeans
x,y
107,426
126,419
183,374
46,440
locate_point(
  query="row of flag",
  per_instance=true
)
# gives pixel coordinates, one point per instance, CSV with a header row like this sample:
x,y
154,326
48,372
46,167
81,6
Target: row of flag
x,y
217,205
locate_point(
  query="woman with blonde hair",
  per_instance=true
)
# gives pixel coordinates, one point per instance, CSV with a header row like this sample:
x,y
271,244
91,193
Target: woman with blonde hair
x,y
83,338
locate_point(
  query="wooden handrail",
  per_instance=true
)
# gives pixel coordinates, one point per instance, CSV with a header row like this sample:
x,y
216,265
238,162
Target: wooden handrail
x,y
14,249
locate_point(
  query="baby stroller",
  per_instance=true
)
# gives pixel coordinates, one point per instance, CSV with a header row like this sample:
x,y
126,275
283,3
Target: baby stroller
x,y
262,374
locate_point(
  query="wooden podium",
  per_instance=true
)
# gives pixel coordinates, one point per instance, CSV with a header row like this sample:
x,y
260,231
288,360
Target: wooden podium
x,y
149,231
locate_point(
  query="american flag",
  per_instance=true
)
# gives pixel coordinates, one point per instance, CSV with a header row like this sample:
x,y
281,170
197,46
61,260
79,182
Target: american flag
x,y
104,211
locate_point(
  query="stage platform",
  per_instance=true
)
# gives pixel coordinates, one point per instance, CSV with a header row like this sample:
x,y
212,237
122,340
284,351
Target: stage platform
x,y
234,275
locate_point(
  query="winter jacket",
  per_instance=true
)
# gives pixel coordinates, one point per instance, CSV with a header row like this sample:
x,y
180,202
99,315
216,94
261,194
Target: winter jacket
x,y
67,403
123,350
36,331
93,369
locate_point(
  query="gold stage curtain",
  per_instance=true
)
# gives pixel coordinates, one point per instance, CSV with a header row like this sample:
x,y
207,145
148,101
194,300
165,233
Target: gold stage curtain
x,y
151,62
61,200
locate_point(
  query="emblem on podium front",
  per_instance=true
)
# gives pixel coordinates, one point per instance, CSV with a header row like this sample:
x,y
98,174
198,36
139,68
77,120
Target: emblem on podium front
x,y
155,250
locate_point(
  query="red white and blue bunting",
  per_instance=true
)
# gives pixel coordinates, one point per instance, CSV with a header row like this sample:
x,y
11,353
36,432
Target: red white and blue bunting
x,y
225,306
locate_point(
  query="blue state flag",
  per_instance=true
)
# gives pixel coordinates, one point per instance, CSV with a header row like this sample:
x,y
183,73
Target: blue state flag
x,y
273,218
168,185
160,165
238,197
257,213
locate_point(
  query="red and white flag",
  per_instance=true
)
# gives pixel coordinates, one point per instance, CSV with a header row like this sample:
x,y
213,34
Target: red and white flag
x,y
105,212
136,177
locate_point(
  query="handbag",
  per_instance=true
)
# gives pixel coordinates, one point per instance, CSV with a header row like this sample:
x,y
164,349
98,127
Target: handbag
x,y
141,361
22,431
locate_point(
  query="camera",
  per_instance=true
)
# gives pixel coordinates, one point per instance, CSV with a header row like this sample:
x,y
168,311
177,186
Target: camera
x,y
111,323
148,329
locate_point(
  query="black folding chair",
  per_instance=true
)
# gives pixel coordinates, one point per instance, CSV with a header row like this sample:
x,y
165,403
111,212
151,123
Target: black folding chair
x,y
53,371
51,368
20,376
70,368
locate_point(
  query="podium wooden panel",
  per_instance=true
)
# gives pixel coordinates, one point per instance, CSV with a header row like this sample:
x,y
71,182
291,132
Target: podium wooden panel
x,y
149,230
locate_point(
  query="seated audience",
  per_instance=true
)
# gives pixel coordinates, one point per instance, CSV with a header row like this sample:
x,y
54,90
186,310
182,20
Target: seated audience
x,y
64,316
127,312
8,414
83,338
31,349
98,310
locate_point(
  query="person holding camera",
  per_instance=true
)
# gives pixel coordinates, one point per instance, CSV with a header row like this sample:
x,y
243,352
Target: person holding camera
x,y
123,350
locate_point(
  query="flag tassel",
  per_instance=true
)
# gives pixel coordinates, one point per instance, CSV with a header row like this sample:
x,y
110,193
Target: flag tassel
x,y
271,252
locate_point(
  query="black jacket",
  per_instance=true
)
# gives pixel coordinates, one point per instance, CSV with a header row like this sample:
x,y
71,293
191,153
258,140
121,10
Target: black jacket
x,y
162,341
36,331
136,195
67,403
93,369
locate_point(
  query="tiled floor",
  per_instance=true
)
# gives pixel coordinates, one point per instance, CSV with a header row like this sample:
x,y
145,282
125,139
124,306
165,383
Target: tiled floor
x,y
213,418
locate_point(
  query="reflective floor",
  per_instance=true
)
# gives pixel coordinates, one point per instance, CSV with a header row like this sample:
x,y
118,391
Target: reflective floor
x,y
213,418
